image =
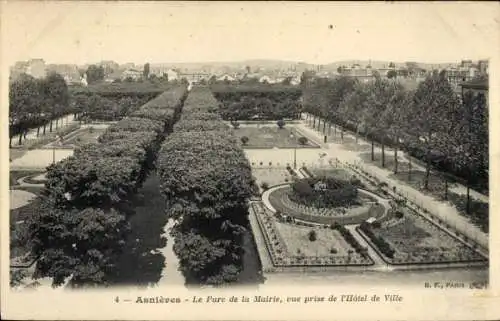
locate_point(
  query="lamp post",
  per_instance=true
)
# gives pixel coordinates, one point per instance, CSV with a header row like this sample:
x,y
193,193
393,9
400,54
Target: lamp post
x,y
58,142
294,152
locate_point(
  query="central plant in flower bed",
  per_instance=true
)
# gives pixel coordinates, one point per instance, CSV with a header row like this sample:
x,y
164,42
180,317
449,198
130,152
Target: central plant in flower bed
x,y
324,192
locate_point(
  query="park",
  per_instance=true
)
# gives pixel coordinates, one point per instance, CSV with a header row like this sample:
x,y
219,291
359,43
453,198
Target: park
x,y
237,184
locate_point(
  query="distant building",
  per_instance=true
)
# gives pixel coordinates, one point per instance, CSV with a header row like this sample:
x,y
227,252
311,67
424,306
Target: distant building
x,y
36,68
226,77
482,67
33,67
69,72
109,66
113,76
194,77
132,73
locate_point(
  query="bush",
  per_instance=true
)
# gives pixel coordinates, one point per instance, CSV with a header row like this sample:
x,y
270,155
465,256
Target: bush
x,y
302,140
399,214
235,124
244,141
333,250
280,123
379,242
264,186
312,235
336,193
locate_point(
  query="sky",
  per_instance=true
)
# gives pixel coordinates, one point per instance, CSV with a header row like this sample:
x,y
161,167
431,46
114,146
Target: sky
x,y
313,32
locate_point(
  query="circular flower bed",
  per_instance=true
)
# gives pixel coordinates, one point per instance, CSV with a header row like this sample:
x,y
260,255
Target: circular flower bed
x,y
324,192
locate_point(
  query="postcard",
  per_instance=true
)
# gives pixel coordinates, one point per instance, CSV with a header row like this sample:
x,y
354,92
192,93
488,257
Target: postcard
x,y
249,160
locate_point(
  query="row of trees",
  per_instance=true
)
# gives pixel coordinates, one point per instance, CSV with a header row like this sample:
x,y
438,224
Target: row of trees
x,y
36,102
258,102
207,180
82,224
431,122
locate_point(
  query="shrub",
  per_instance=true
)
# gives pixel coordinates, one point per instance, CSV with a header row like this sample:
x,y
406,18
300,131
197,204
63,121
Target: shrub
x,y
379,242
302,140
235,124
376,224
244,141
399,214
280,123
264,186
312,235
333,250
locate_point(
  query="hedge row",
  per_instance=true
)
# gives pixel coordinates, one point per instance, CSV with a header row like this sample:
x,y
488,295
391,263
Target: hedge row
x,y
207,181
265,102
379,242
81,228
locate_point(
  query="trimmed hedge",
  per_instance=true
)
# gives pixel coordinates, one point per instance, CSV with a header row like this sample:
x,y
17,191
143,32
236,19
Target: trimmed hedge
x,y
379,242
87,195
207,181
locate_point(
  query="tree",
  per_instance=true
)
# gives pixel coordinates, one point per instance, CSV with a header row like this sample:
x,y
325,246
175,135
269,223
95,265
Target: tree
x,y
471,148
145,71
391,65
395,119
312,235
302,140
287,81
56,96
235,124
434,116
280,123
94,73
391,74
244,140
352,107
25,100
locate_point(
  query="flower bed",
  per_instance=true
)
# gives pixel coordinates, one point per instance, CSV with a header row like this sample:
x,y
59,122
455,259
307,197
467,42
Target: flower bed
x,y
266,137
289,245
412,239
280,200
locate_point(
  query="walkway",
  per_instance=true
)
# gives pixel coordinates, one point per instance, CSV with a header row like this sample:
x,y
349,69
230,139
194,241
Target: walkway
x,y
170,275
443,210
379,265
39,159
63,121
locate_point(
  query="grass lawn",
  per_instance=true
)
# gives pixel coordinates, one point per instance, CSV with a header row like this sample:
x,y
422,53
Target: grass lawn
x,y
271,176
416,240
15,153
479,211
403,165
140,264
338,173
15,175
416,180
271,136
297,240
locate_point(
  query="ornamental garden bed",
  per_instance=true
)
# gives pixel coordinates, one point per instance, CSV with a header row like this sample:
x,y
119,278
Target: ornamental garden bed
x,y
264,137
269,177
280,200
291,245
409,238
